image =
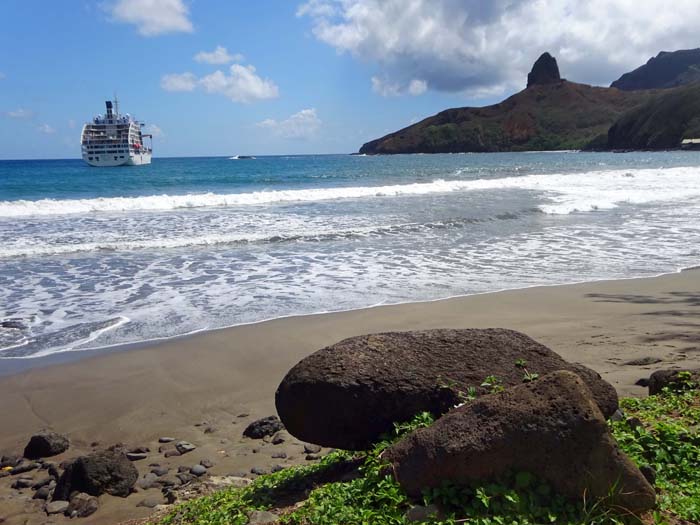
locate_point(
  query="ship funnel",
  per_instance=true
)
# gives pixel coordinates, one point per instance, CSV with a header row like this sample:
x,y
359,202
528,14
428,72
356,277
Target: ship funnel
x,y
108,104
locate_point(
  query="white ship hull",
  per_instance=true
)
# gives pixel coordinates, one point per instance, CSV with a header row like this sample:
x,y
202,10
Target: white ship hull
x,y
106,161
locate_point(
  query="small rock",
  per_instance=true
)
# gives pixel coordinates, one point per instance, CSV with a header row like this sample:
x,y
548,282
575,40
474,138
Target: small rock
x,y
310,448
312,457
82,505
26,466
255,450
198,470
150,502
185,477
262,517
276,468
160,471
618,415
206,463
57,507
42,493
266,426
170,481
166,439
95,444
42,483
243,414
46,444
279,455
210,430
147,481
172,453
280,437
10,461
136,456
649,473
643,381
183,468
259,471
22,483
183,447
423,513
643,361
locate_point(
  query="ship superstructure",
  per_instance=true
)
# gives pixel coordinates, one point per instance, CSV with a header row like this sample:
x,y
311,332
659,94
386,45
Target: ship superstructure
x,y
115,140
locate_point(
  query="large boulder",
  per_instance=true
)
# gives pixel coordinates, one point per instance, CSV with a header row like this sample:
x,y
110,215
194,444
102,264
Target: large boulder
x,y
544,71
46,444
551,428
673,379
348,394
108,472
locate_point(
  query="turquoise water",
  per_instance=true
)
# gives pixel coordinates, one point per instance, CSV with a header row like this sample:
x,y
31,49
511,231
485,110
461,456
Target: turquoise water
x,y
97,257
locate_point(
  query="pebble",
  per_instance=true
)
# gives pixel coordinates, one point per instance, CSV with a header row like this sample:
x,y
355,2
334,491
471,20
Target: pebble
x,y
160,471
147,481
27,466
41,483
276,468
10,461
279,455
171,453
185,477
183,447
258,470
140,450
22,483
206,463
279,438
310,448
262,517
198,470
165,439
243,414
150,502
643,381
312,457
183,468
136,456
255,450
170,481
42,493
57,507
210,430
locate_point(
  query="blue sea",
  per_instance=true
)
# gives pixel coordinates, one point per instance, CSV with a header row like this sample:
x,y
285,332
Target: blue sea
x,y
97,257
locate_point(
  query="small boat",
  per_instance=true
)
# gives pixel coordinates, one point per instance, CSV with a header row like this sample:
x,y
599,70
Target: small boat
x,y
115,140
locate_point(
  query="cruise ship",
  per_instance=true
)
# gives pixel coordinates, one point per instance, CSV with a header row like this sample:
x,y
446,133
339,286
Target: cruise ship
x,y
115,140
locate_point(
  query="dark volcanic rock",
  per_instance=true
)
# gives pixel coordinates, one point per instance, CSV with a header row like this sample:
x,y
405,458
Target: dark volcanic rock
x,y
10,461
551,428
671,378
349,394
643,361
665,70
544,71
261,428
98,473
46,444
25,466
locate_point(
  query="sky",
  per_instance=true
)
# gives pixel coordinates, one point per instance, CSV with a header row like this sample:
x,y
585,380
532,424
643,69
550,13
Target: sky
x,y
236,77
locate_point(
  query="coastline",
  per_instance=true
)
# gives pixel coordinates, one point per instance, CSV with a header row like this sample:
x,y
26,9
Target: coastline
x,y
136,394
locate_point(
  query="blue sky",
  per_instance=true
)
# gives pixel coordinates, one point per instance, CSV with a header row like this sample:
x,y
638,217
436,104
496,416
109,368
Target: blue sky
x,y
318,76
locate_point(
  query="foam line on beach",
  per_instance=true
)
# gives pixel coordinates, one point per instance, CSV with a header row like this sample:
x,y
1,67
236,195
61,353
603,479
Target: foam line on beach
x,y
568,192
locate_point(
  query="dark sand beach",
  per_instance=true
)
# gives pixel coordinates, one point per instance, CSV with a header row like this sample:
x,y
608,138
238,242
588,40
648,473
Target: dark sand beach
x,y
206,388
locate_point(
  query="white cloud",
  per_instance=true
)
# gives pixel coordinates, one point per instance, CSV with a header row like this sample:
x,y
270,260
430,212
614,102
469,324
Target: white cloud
x,y
178,82
220,55
153,17
242,84
45,128
155,131
302,125
486,48
388,88
20,113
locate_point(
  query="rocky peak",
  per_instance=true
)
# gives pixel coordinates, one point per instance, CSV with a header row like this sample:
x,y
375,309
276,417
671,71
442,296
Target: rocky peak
x,y
544,71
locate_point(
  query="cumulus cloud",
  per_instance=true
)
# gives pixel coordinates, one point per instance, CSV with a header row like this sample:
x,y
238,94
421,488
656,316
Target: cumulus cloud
x,y
46,129
240,84
302,125
485,48
220,55
153,17
20,113
178,82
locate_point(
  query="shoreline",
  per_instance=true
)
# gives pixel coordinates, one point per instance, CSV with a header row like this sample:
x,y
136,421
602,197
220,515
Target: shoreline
x,y
15,365
207,387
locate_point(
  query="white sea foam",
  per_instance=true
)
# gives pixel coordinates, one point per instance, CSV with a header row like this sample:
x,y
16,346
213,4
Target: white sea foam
x,y
569,192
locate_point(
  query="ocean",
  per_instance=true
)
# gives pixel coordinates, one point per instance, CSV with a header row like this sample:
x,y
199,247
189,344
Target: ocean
x,y
93,258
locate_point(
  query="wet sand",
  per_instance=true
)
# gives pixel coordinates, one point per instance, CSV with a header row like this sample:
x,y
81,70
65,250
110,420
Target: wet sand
x,y
136,395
